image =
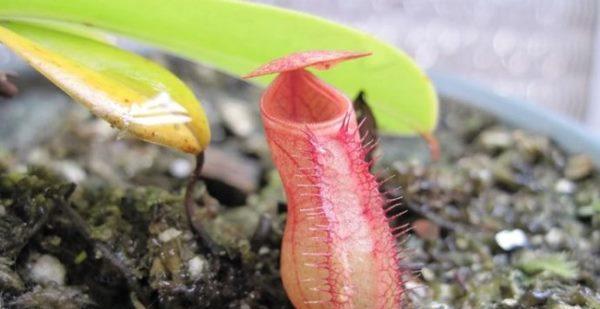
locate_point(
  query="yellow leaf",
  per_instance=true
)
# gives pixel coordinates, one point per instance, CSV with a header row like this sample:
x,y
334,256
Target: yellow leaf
x,y
129,91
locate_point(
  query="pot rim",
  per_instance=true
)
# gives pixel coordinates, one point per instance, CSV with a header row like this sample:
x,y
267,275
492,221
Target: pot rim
x,y
569,134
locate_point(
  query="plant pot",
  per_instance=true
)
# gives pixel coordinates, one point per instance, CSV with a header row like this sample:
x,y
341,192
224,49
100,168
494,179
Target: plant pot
x,y
519,113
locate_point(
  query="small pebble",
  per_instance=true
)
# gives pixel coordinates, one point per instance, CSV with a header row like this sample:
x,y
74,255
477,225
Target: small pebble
x,y
500,259
537,240
505,177
542,295
535,298
446,291
263,250
511,239
462,243
180,168
47,269
237,115
169,234
485,175
2,210
531,144
71,171
555,237
496,139
196,266
564,186
509,302
426,229
428,274
579,167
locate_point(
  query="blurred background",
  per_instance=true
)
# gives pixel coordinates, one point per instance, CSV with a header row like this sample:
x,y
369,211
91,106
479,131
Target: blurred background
x,y
544,51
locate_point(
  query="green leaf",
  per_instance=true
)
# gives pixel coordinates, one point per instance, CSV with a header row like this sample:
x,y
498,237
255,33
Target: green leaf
x,y
239,36
129,91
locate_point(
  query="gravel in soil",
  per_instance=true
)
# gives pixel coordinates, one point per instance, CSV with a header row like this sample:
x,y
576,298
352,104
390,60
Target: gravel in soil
x,y
505,219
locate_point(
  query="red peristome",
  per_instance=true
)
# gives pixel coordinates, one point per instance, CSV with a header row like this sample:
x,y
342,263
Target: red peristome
x,y
338,249
322,59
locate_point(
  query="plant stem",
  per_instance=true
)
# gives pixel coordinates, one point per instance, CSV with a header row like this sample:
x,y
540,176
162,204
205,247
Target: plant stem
x,y
190,208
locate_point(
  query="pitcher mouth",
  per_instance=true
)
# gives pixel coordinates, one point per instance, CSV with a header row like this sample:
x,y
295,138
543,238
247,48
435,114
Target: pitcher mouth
x,y
298,99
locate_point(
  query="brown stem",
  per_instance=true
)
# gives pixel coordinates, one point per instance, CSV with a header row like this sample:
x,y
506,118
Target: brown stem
x,y
190,208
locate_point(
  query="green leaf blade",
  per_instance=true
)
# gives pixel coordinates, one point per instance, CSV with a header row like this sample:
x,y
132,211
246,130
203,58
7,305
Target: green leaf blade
x,y
239,36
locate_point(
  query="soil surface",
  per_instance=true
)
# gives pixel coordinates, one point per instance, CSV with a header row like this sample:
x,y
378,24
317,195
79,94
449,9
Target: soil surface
x,y
92,219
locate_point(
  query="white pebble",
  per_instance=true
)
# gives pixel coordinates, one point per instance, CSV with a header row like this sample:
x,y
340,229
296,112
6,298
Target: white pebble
x,y
71,171
554,238
238,116
564,186
484,175
2,210
511,239
196,266
47,269
263,250
509,302
169,234
180,168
